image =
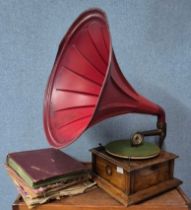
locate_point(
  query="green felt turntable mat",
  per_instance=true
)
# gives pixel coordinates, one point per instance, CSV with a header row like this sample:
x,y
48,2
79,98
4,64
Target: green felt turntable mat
x,y
123,149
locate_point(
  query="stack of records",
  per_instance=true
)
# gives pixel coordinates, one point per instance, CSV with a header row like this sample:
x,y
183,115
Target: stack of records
x,y
46,174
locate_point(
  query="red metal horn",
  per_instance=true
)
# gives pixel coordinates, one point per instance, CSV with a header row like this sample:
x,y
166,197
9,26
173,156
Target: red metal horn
x,y
86,84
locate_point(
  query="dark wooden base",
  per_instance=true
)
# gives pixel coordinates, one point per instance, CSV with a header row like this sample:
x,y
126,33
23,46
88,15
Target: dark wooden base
x,y
97,199
138,196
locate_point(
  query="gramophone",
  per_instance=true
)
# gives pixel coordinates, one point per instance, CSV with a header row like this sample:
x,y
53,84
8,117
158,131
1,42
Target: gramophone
x,y
87,86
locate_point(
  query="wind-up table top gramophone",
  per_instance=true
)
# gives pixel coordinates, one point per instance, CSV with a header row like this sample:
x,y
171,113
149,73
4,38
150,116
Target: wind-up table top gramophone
x,y
87,86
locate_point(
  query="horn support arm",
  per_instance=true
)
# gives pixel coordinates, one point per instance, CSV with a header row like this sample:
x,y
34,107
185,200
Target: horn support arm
x,y
160,131
161,127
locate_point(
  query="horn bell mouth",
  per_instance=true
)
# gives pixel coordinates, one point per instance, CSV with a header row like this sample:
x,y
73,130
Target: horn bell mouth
x,y
76,81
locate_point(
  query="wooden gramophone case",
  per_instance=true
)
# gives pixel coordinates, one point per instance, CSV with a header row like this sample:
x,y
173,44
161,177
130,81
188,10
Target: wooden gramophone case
x,y
131,181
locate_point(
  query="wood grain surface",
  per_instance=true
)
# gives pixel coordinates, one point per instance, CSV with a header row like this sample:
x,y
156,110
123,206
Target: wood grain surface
x,y
98,199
